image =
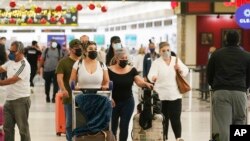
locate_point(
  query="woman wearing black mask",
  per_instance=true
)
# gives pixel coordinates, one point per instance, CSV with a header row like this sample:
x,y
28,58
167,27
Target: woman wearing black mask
x,y
123,77
88,67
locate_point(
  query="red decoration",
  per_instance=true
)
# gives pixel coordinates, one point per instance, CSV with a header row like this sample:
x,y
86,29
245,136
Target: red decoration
x,y
38,9
240,2
58,8
12,4
104,9
12,21
79,7
52,19
43,21
174,4
61,20
229,4
91,6
30,21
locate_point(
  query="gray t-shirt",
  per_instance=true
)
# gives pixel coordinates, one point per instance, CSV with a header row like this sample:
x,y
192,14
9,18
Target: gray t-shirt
x,y
51,59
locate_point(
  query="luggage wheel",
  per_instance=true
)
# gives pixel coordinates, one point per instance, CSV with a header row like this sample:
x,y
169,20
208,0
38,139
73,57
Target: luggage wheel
x,y
58,134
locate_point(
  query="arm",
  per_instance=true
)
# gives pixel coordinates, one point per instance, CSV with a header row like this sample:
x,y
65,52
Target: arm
x,y
141,83
2,69
73,76
153,72
182,68
105,81
210,70
9,81
61,84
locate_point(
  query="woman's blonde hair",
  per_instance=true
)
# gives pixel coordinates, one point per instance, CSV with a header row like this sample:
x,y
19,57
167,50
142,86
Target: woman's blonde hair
x,y
118,53
163,44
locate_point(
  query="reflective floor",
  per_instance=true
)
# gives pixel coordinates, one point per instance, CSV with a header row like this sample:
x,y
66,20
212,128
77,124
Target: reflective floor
x,y
195,118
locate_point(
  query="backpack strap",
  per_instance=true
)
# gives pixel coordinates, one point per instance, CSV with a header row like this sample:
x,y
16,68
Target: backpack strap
x,y
78,65
45,53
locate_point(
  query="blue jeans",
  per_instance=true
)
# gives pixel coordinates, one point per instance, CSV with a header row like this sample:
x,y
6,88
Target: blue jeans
x,y
124,111
68,114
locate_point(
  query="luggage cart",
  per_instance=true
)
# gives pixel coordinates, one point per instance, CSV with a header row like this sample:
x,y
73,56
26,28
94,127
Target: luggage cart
x,y
77,117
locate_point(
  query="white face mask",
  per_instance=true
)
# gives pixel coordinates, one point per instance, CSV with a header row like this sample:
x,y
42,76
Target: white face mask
x,y
54,44
166,54
117,46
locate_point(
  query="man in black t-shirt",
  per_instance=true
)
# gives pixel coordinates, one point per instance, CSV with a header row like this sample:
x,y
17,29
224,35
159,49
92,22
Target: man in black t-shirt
x,y
32,54
3,56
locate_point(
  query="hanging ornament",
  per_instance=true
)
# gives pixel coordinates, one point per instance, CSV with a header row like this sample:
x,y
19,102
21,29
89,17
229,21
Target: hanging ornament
x,y
30,21
61,20
43,21
91,6
227,4
12,21
38,9
174,4
104,9
12,4
58,8
53,19
79,7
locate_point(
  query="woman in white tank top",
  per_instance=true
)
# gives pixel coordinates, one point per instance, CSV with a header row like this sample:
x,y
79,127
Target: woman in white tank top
x,y
88,72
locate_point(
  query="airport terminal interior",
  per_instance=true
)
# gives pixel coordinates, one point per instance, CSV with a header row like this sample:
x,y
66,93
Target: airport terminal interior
x,y
191,29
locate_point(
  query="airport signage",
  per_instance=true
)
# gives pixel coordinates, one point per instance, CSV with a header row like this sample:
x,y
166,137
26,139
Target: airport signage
x,y
242,16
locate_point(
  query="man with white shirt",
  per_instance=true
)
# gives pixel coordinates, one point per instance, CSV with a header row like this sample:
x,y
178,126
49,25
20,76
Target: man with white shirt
x,y
17,105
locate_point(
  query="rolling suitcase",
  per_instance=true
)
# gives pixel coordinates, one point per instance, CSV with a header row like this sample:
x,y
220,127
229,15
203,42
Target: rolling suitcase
x,y
155,133
60,115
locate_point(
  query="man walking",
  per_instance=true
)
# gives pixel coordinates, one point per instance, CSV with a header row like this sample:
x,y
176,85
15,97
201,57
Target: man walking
x,y
32,54
17,105
63,72
228,73
49,61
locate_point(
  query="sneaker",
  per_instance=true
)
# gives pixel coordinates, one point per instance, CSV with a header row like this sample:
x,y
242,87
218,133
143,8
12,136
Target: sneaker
x,y
47,99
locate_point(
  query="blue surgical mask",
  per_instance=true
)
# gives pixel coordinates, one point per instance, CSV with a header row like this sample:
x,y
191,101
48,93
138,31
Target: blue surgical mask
x,y
117,46
12,56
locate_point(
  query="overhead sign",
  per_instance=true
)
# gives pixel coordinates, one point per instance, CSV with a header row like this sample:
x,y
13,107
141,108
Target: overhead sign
x,y
242,16
28,17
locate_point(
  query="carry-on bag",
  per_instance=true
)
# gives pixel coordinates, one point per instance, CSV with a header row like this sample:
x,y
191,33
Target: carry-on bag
x,y
60,115
148,125
91,114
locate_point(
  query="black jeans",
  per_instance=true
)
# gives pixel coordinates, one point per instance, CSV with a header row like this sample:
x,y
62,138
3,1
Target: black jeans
x,y
32,75
172,111
50,77
124,111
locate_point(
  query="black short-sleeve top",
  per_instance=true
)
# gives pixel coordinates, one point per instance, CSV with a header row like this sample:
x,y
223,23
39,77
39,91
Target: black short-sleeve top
x,y
122,84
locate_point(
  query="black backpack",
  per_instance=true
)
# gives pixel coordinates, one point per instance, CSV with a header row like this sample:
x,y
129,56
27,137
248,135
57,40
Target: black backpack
x,y
151,105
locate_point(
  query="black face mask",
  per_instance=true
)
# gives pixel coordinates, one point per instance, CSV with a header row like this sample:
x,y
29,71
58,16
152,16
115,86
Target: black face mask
x,y
123,63
92,54
78,52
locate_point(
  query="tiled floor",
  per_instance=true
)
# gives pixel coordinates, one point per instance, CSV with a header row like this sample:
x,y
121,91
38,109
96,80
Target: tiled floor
x,y
195,122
